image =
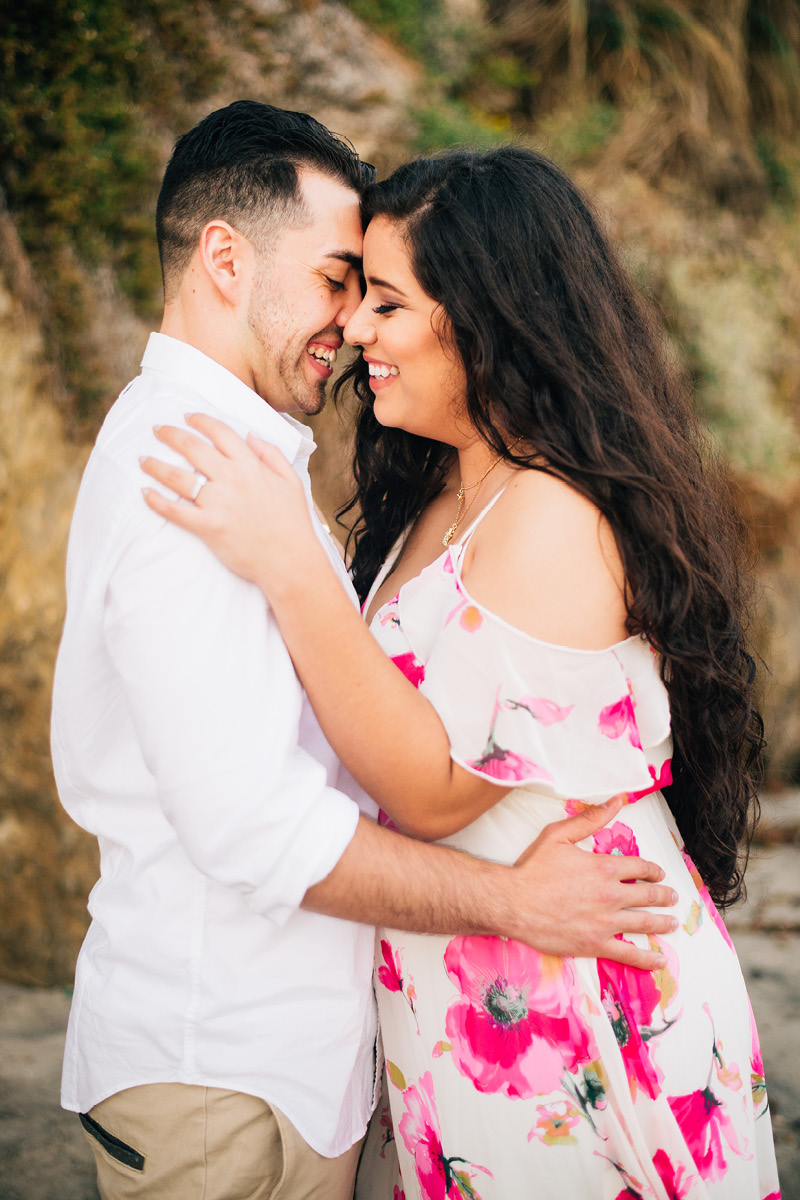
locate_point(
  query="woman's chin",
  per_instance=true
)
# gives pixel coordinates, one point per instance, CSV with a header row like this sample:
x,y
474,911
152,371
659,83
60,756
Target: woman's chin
x,y
387,413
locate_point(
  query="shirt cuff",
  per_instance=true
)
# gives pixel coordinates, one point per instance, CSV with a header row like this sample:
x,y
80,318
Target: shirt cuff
x,y
282,894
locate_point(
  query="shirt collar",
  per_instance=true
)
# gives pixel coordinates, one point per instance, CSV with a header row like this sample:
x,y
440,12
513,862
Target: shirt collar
x,y
189,366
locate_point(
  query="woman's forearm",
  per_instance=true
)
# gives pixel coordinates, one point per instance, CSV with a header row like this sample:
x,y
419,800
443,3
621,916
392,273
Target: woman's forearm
x,y
386,733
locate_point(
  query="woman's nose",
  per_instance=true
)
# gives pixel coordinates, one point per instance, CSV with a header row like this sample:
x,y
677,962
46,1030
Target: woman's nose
x,y
360,330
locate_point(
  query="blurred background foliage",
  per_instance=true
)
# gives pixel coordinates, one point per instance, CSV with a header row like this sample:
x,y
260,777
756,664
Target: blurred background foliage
x,y
704,91
681,118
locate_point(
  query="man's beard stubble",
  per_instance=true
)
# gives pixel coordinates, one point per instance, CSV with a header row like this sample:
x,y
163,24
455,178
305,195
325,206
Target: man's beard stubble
x,y
265,320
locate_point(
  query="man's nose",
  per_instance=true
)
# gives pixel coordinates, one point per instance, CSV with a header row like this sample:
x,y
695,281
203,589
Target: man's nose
x,y
351,300
359,330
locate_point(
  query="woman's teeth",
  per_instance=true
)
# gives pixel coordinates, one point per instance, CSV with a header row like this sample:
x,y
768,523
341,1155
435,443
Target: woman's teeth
x,y
323,353
382,372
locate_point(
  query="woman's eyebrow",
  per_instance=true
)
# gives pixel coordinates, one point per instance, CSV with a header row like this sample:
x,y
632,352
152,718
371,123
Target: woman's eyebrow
x,y
375,282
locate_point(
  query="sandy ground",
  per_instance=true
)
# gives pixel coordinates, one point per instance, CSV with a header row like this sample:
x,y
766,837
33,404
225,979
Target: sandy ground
x,y
43,1155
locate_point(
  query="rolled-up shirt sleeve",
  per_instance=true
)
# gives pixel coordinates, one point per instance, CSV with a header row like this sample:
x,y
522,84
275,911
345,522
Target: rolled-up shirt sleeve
x,y
216,705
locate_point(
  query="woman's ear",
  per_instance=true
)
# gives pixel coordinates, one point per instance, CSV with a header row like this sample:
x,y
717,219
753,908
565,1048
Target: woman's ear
x,y
227,258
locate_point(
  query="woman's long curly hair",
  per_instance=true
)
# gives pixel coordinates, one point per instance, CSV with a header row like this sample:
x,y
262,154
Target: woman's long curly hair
x,y
561,353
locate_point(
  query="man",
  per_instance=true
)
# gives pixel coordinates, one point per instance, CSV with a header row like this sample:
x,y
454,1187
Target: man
x,y
222,1036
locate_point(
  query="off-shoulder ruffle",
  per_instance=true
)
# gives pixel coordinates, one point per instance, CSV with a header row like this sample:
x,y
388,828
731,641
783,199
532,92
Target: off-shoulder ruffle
x,y
583,724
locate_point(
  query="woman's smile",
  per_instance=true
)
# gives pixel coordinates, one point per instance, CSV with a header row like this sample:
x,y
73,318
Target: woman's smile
x,y
381,374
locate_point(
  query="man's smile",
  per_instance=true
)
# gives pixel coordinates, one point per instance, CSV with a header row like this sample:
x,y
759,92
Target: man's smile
x,y
323,356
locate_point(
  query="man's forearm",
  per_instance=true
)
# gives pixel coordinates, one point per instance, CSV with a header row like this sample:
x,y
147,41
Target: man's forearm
x,y
558,898
385,878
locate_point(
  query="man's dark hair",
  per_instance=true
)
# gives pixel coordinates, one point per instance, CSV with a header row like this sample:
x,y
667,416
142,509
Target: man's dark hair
x,y
239,164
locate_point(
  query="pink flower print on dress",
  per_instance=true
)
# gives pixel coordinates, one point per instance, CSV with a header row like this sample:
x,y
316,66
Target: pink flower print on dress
x,y
703,1121
546,712
705,1127
677,1180
387,1137
705,896
758,1083
471,619
515,1028
555,1124
391,976
439,1178
630,997
661,779
407,663
454,612
388,613
507,764
573,808
728,1076
618,719
633,1189
499,763
616,839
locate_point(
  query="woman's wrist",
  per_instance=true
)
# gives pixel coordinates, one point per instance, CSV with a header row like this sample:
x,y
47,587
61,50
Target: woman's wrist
x,y
284,578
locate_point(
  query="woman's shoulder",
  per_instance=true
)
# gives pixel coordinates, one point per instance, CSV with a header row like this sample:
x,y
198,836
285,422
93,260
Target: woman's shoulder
x,y
545,559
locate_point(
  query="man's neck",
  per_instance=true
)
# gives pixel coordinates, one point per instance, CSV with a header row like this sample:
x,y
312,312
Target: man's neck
x,y
207,336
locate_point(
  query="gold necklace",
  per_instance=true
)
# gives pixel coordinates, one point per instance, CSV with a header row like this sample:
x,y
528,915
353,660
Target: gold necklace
x,y
448,537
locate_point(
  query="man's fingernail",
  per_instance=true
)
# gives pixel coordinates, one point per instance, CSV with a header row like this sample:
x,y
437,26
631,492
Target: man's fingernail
x,y
660,961
674,923
156,429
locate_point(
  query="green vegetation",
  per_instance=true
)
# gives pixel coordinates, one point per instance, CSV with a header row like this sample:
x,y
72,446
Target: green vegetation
x,y
449,123
579,135
707,94
697,81
415,24
83,79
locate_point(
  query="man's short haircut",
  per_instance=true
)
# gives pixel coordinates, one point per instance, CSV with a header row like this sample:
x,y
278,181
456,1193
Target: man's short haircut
x,y
239,164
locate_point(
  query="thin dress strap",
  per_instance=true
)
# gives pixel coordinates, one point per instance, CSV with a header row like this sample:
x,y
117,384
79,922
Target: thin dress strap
x,y
461,546
398,546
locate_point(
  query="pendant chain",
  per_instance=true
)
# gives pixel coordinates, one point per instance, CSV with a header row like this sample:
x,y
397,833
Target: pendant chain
x,y
448,537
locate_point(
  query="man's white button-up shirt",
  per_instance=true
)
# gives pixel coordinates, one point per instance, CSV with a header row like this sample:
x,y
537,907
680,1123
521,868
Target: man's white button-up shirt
x,y
183,740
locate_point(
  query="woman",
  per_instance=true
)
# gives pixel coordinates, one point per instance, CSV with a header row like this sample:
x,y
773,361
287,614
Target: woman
x,y
545,556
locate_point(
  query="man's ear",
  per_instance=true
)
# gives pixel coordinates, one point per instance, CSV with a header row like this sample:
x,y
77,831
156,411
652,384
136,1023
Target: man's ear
x,y
226,256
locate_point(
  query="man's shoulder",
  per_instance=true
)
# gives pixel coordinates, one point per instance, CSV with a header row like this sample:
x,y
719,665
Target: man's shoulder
x,y
110,498
149,399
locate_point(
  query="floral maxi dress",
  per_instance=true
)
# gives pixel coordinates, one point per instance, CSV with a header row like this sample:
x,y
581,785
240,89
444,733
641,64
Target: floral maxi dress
x,y
513,1075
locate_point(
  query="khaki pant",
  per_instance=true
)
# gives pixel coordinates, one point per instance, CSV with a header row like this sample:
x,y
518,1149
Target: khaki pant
x,y
172,1141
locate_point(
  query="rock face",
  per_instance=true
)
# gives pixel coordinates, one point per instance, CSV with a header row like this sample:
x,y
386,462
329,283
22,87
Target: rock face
x,y
46,864
725,279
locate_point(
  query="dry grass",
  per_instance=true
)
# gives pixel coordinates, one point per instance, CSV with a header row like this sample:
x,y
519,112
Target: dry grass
x,y
705,89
